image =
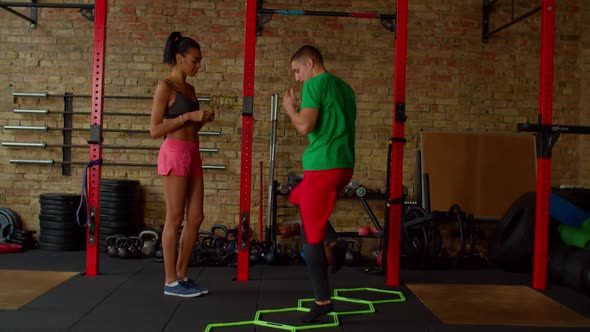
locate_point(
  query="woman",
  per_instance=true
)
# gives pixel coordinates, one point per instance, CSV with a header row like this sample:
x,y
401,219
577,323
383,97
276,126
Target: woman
x,y
177,117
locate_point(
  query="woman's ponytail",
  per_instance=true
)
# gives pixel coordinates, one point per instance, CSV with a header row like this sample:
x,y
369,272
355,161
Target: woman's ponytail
x,y
171,47
176,44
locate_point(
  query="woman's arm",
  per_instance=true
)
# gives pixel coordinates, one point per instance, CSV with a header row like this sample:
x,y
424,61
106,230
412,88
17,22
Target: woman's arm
x,y
159,127
199,117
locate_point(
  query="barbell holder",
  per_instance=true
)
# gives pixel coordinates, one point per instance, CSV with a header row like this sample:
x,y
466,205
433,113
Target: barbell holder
x,y
121,147
84,163
127,131
45,95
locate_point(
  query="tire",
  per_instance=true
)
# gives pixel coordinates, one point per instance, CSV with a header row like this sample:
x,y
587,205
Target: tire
x,y
576,263
511,244
556,263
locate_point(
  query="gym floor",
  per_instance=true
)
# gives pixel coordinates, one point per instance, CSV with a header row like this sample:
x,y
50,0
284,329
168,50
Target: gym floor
x,y
127,296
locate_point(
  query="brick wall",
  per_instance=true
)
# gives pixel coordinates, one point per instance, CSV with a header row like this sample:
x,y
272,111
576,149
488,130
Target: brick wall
x,y
455,82
584,101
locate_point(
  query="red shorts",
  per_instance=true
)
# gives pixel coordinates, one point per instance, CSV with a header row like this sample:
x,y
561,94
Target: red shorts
x,y
316,197
181,158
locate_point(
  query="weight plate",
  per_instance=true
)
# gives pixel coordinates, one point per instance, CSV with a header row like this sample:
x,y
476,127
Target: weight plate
x,y
122,218
119,183
60,239
7,225
23,232
18,236
118,214
59,197
113,219
114,224
118,205
62,232
64,215
119,191
16,217
27,244
60,203
57,218
57,225
59,247
113,231
117,195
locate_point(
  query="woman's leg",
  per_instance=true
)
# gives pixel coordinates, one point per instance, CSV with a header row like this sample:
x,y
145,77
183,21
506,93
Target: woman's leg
x,y
175,193
194,219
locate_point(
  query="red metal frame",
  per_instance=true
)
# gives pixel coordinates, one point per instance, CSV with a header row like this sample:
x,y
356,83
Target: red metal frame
x,y
92,238
397,152
543,163
246,158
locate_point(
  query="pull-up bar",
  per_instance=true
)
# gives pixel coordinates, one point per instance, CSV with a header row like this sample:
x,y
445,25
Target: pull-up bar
x,y
264,16
487,9
86,9
47,5
324,13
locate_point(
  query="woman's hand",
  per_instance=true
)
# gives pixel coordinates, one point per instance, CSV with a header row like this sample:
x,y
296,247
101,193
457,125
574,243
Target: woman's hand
x,y
201,116
208,116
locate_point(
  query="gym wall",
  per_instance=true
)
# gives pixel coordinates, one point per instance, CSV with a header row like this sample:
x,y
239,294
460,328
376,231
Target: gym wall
x,y
454,82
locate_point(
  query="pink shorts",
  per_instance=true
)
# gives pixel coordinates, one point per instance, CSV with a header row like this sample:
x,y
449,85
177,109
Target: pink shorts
x,y
181,158
316,197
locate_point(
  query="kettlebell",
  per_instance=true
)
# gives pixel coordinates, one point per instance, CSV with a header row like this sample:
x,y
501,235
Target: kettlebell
x,y
149,237
122,245
364,230
111,245
353,252
219,233
219,230
231,246
271,256
205,238
135,244
255,252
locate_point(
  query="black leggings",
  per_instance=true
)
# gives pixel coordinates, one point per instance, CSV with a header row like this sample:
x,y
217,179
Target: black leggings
x,y
317,264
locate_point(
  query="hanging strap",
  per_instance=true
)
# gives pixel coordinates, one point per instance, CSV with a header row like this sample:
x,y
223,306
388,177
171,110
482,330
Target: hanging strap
x,y
84,193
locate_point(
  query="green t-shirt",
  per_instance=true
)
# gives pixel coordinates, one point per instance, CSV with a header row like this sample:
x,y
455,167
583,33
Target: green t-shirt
x,y
331,143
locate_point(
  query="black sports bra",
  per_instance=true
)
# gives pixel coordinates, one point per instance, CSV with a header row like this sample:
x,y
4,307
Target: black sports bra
x,y
181,104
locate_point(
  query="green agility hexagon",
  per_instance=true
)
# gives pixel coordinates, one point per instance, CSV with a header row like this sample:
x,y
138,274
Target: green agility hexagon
x,y
369,310
294,328
397,297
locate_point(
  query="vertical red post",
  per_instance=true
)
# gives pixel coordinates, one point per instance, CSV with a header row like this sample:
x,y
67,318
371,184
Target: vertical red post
x,y
398,141
95,155
544,162
246,158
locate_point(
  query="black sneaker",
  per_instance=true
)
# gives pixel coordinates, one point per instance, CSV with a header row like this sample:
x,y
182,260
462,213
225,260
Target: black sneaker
x,y
316,311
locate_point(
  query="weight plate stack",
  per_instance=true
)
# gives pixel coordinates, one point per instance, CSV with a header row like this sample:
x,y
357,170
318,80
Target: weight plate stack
x,y
59,229
23,238
9,222
121,208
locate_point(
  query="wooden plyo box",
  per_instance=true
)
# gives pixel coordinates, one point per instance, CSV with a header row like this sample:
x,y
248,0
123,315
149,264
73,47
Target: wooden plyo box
x,y
484,173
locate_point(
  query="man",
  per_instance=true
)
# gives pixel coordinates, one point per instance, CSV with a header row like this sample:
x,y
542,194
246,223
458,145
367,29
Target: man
x,y
327,116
